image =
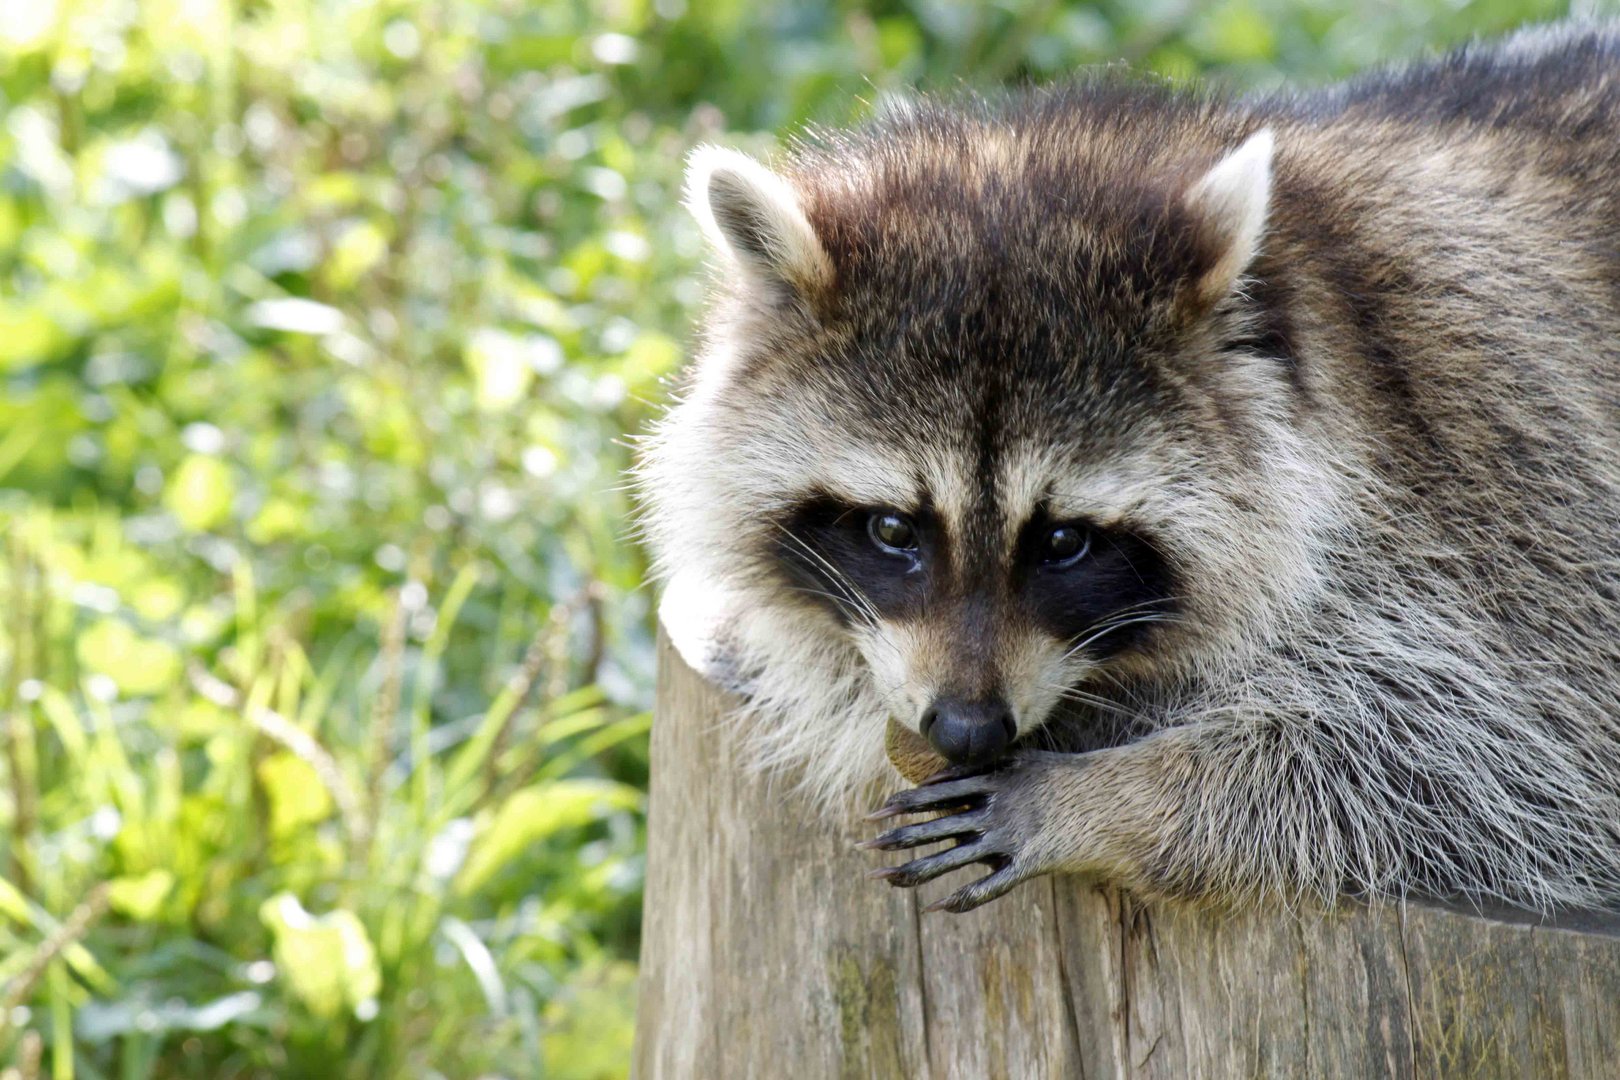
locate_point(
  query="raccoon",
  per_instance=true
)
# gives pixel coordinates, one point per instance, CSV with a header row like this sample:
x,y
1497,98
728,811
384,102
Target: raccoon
x,y
1227,487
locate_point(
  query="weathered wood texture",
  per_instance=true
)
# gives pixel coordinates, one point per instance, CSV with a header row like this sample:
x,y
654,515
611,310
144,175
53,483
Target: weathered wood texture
x,y
767,953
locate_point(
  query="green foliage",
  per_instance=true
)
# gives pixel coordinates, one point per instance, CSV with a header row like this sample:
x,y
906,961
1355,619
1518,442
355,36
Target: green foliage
x,y
309,859
324,677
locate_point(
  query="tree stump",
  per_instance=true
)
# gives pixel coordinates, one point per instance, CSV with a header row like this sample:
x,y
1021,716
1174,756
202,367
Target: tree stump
x,y
767,953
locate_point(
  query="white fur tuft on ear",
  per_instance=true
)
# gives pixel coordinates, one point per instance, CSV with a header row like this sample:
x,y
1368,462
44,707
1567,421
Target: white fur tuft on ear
x,y
1232,199
752,215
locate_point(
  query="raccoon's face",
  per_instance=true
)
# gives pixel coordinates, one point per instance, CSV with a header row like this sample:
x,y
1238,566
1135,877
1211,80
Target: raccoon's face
x,y
976,625
974,435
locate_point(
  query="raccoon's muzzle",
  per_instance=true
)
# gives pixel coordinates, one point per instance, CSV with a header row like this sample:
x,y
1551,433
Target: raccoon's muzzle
x,y
966,732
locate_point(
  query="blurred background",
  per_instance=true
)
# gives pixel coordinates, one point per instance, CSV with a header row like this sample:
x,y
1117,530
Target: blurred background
x,y
325,656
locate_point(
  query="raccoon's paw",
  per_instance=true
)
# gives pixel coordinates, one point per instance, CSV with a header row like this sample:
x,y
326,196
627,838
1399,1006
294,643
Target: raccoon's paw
x,y
992,815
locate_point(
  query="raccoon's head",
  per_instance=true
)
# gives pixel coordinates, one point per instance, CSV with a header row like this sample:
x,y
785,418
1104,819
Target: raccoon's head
x,y
977,431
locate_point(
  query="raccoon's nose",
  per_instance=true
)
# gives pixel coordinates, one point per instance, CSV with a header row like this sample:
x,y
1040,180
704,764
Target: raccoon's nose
x,y
969,732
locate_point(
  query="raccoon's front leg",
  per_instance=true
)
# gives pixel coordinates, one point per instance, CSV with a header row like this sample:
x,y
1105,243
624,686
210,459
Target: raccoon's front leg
x,y
1109,811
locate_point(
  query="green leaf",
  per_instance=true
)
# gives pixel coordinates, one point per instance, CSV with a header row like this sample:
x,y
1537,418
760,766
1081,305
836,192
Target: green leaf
x,y
139,665
535,813
297,797
201,492
13,904
140,896
326,961
28,336
361,247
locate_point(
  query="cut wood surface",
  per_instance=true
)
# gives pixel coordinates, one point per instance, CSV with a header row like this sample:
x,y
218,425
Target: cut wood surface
x,y
767,953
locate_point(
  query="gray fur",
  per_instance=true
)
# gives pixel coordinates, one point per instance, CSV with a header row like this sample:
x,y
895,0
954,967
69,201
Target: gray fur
x,y
1381,468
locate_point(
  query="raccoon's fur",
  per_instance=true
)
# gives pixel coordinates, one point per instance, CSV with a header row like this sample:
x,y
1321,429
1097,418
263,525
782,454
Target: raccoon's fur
x,y
1330,383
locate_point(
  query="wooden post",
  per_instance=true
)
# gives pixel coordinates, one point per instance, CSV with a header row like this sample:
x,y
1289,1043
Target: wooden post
x,y
767,953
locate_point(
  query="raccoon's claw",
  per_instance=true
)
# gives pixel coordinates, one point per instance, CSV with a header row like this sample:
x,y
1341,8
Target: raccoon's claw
x,y
928,867
979,892
944,795
957,772
975,847
991,817
963,796
927,832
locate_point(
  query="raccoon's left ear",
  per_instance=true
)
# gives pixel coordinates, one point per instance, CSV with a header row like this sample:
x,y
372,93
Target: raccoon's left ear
x,y
753,216
1230,203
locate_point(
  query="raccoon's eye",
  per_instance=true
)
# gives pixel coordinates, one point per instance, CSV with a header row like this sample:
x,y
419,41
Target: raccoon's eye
x,y
892,532
1065,545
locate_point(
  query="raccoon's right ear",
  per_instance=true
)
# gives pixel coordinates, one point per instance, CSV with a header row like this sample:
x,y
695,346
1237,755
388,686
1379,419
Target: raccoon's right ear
x,y
753,216
1231,203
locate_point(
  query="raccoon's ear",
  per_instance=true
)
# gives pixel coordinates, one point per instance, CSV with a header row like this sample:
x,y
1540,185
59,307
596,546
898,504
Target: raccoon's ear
x,y
753,216
1230,203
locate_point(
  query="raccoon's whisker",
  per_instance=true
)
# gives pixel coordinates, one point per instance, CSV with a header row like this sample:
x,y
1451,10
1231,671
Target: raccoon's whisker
x,y
1113,627
1102,704
835,576
1152,607
891,696
1146,606
844,603
1047,738
1124,689
848,598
